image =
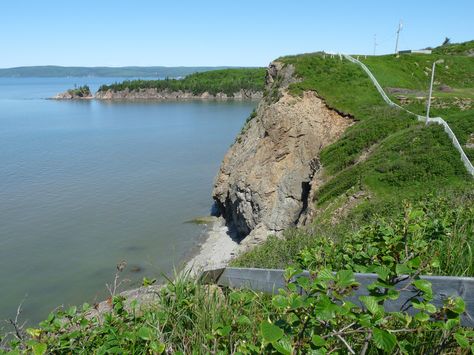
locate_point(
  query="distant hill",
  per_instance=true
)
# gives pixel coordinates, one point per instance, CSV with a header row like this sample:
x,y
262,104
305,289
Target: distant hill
x,y
142,72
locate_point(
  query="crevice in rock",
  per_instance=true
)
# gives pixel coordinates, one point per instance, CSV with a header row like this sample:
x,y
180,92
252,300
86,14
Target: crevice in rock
x,y
314,165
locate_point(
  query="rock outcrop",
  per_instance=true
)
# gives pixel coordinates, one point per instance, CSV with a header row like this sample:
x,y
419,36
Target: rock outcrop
x,y
154,94
265,178
74,95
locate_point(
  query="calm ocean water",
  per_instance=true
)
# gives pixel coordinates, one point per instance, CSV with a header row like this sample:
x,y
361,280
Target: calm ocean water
x,y
84,185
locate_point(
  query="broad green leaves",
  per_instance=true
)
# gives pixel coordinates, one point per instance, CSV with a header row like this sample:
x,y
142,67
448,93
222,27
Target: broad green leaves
x,y
384,340
270,332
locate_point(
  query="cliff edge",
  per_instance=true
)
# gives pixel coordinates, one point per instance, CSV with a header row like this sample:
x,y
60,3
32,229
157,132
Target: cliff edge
x,y
266,177
156,94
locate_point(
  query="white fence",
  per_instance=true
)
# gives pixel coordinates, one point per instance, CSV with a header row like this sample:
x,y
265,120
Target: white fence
x,y
467,163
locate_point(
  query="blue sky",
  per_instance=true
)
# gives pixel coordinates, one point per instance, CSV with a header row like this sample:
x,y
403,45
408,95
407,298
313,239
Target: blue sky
x,y
241,33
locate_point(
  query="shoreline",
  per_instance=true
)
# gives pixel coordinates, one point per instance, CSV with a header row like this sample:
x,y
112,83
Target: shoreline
x,y
156,95
218,247
215,250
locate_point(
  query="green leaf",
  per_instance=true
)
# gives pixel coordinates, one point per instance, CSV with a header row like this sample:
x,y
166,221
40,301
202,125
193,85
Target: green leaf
x,y
424,286
459,305
393,294
71,312
244,320
235,296
414,263
224,331
39,348
422,317
145,333
461,340
158,348
33,332
303,282
318,341
325,274
382,272
345,278
371,304
115,350
283,346
291,272
430,308
384,340
270,332
451,323
435,263
402,269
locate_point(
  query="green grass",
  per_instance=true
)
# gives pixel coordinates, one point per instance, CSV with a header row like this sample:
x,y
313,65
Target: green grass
x,y
463,48
447,219
354,93
413,72
228,81
405,161
378,123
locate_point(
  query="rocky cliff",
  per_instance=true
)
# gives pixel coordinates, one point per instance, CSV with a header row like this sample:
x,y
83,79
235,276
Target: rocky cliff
x,y
266,177
155,94
74,94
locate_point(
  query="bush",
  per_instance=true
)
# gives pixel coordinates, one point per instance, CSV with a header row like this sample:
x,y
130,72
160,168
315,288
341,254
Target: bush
x,y
228,81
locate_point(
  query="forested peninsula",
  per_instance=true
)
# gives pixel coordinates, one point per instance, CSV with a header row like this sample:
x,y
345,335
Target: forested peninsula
x,y
238,84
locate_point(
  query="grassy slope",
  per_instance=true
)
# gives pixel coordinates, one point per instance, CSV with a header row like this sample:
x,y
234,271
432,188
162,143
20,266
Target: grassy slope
x,y
227,81
407,161
456,48
413,72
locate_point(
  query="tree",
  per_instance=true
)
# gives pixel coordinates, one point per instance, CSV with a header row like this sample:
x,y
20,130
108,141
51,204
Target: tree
x,y
446,41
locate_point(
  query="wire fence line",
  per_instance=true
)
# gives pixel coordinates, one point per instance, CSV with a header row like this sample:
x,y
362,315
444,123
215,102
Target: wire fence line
x,y
438,120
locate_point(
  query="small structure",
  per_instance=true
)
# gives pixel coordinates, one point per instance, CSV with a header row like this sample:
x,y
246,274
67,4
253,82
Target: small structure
x,y
416,51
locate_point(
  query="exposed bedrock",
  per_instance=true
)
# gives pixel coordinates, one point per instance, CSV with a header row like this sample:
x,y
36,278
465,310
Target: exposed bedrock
x,y
265,179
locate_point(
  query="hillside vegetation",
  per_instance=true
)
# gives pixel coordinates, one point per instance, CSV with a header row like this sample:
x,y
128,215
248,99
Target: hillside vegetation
x,y
458,49
387,159
453,95
396,200
81,91
228,81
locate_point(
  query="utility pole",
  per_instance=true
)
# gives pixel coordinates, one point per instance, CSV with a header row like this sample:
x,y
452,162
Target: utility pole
x,y
375,43
398,36
431,89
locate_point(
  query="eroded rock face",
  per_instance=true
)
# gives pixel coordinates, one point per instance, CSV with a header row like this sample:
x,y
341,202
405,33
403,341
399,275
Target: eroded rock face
x,y
154,94
71,95
265,178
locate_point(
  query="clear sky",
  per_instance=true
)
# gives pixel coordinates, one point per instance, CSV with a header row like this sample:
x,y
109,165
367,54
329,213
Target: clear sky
x,y
225,32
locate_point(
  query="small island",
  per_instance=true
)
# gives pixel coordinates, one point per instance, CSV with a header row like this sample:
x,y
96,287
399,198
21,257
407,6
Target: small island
x,y
224,84
80,93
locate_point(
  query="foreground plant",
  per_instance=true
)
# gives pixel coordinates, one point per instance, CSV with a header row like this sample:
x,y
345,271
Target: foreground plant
x,y
315,314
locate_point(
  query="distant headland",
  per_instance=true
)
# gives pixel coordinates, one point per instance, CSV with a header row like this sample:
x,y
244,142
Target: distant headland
x,y
50,71
224,84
